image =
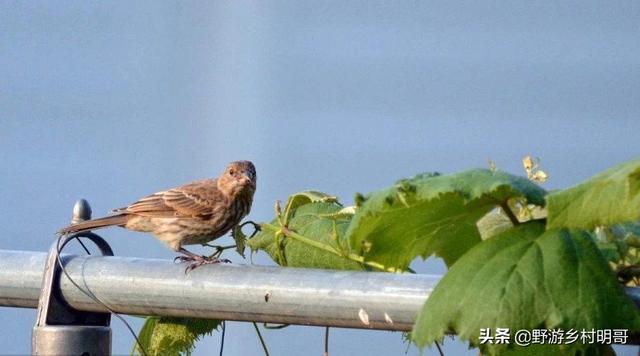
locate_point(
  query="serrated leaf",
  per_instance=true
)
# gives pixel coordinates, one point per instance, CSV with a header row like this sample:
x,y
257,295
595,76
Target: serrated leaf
x,y
240,238
306,197
319,221
526,278
172,336
344,213
432,214
608,198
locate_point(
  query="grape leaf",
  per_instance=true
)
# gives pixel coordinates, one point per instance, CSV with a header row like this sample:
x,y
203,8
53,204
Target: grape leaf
x,y
432,214
526,278
240,239
306,197
608,198
172,336
324,222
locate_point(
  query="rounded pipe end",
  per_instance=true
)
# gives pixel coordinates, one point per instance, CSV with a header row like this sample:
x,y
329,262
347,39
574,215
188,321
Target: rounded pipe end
x,y
81,211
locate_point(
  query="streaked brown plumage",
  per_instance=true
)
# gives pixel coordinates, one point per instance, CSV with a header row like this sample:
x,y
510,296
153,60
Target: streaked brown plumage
x,y
194,213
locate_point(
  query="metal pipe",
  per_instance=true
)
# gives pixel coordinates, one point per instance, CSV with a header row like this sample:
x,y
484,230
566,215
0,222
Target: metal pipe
x,y
367,300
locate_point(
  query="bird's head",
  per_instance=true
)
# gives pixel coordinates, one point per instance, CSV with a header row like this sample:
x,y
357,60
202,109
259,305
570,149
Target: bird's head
x,y
238,178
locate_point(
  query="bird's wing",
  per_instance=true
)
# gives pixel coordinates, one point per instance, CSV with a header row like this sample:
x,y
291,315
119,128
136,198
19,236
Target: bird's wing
x,y
197,199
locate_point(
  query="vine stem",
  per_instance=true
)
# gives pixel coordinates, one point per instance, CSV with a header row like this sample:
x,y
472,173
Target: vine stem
x,y
509,213
224,329
274,327
439,348
219,249
350,256
264,346
326,341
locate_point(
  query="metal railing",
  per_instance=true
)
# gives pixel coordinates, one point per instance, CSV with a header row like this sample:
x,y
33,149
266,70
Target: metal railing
x,y
229,292
226,291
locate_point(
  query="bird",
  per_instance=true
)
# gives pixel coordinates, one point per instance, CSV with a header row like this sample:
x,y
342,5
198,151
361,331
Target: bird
x,y
194,213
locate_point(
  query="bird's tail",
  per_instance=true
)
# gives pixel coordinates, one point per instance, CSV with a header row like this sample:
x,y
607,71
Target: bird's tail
x,y
114,220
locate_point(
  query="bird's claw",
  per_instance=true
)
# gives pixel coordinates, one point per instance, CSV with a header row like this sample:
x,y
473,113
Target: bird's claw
x,y
199,261
180,259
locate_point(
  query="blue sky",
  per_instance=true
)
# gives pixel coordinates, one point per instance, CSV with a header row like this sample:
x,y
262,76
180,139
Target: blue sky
x,y
112,101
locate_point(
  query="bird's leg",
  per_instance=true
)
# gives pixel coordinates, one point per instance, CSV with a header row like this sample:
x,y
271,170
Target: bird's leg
x,y
197,260
187,256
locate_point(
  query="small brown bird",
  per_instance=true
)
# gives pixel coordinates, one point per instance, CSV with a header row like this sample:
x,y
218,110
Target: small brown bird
x,y
195,213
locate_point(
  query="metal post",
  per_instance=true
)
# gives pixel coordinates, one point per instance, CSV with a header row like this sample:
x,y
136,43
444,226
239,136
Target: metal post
x,y
60,329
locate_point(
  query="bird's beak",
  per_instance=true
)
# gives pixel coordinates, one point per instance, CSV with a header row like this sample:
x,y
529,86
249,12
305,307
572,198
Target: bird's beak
x,y
246,179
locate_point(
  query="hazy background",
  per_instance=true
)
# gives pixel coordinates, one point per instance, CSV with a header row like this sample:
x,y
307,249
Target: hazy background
x,y
112,101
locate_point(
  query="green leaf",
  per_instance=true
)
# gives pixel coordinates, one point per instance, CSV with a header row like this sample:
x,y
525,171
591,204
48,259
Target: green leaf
x,y
240,238
432,214
619,243
608,198
306,197
609,251
323,222
145,335
526,278
172,336
629,233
